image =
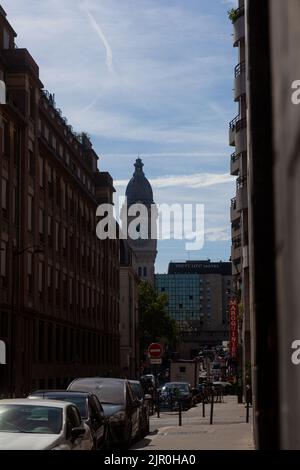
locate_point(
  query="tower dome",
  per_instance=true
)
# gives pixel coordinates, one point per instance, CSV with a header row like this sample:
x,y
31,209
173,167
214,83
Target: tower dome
x,y
139,189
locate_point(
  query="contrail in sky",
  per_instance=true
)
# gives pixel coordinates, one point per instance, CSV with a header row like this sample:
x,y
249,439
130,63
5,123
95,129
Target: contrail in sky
x,y
108,49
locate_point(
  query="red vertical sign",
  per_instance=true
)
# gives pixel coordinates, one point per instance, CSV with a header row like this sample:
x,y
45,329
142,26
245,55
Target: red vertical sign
x,y
233,328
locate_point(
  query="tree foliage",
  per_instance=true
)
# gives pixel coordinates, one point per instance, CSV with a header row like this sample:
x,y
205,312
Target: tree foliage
x,y
155,324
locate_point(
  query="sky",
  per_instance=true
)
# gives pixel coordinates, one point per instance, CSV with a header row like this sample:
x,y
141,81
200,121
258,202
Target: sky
x,y
145,77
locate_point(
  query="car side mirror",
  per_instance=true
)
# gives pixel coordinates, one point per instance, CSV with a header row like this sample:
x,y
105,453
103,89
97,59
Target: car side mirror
x,y
77,432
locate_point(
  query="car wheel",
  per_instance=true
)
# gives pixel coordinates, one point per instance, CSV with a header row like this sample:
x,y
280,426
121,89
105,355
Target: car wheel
x,y
127,441
147,428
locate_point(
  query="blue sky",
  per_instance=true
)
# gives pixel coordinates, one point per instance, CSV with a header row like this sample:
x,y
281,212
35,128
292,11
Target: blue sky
x,y
153,77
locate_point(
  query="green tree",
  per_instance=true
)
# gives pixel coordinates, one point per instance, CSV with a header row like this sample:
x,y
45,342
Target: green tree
x,y
155,324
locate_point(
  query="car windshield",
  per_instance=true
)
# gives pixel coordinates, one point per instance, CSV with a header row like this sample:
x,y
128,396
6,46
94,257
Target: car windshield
x,y
111,393
30,419
181,387
79,401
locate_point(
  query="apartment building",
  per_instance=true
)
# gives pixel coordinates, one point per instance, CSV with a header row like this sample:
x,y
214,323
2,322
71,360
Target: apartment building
x,y
239,204
59,284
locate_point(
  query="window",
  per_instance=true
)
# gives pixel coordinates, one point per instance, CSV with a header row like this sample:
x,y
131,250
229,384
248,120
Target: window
x,y
6,139
58,192
46,133
30,273
31,163
32,102
54,143
41,277
30,213
6,38
41,224
145,272
16,146
14,203
41,171
140,271
57,236
71,290
64,241
3,265
49,230
50,183
49,276
65,290
57,287
4,193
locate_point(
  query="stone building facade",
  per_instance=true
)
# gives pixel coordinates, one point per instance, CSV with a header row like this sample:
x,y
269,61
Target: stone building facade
x,y
59,284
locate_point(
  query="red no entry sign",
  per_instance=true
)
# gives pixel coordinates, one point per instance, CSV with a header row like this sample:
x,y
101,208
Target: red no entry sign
x,y
155,350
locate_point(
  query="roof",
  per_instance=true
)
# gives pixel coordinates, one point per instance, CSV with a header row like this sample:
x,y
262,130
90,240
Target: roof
x,y
139,189
57,392
92,381
27,401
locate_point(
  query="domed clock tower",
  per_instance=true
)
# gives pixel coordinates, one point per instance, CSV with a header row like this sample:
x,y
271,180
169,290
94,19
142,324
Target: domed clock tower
x,y
139,191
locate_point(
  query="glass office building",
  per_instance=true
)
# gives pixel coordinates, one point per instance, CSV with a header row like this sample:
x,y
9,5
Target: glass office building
x,y
198,297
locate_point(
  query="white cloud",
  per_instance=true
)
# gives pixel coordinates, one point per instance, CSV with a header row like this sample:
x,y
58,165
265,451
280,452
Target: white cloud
x,y
200,180
217,234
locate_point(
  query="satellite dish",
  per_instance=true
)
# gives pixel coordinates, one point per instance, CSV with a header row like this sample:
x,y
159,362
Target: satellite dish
x,y
2,92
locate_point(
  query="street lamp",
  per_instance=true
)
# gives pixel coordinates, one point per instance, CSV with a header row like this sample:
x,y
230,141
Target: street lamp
x,y
16,253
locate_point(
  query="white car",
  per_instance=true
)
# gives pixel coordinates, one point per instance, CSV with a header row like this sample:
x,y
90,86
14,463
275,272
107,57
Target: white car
x,y
42,425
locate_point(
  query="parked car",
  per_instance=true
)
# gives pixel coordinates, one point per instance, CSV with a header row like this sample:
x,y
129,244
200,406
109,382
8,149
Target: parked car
x,y
172,392
119,405
42,425
144,406
90,408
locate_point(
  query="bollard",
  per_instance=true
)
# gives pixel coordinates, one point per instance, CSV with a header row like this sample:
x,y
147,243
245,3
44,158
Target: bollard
x,y
212,407
180,413
157,408
203,408
247,412
247,403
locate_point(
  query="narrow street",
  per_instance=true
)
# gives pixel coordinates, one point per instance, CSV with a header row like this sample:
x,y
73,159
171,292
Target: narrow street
x,y
229,430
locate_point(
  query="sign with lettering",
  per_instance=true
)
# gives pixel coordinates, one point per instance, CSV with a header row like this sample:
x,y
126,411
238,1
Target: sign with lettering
x,y
233,328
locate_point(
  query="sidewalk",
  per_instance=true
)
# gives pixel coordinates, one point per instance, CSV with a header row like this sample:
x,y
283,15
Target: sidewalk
x,y
229,430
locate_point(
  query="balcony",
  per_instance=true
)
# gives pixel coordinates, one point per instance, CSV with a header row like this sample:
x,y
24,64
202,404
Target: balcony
x,y
234,164
238,134
239,80
234,214
236,248
245,256
232,126
236,253
241,194
236,268
238,20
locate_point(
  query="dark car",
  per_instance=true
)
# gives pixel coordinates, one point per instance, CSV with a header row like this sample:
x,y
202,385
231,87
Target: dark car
x,y
90,408
173,392
119,405
144,406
